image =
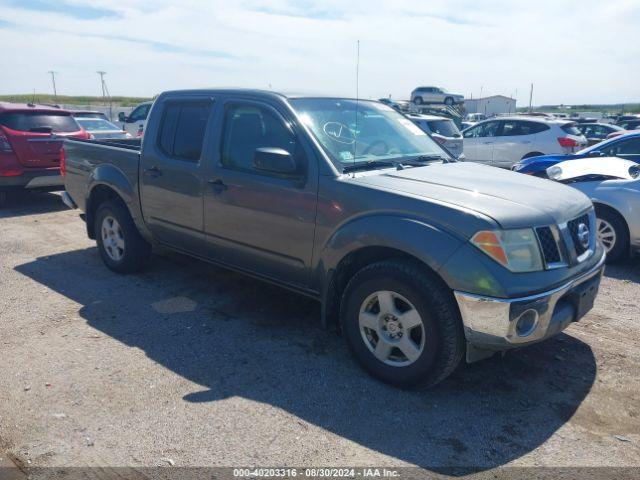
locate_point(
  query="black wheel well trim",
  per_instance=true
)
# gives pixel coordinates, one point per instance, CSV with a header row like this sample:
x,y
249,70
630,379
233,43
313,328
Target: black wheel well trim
x,y
532,154
338,278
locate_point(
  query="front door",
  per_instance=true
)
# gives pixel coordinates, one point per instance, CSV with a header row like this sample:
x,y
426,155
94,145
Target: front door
x,y
260,222
171,177
479,142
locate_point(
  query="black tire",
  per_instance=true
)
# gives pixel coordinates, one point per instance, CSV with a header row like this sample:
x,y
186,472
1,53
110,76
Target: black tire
x,y
444,344
418,100
532,154
137,251
620,249
448,101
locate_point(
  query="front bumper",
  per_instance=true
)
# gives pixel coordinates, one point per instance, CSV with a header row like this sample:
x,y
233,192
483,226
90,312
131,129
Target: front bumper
x,y
494,324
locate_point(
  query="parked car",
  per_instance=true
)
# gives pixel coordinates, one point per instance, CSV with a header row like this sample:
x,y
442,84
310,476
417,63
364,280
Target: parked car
x,y
442,130
100,128
613,184
136,121
597,132
503,141
475,117
624,146
30,140
466,125
629,124
423,95
89,114
419,259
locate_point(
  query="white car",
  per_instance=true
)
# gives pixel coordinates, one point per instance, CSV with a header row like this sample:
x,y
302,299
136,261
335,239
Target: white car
x,y
443,130
504,141
135,122
613,185
422,95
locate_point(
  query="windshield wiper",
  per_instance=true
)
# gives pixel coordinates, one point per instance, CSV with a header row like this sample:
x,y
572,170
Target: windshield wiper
x,y
368,164
430,158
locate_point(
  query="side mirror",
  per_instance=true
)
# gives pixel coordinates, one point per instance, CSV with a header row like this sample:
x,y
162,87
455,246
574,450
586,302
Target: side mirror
x,y
597,153
274,160
122,117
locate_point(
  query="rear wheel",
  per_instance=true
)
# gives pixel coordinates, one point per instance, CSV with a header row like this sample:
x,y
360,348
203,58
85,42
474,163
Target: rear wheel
x,y
402,324
612,233
448,101
121,246
3,198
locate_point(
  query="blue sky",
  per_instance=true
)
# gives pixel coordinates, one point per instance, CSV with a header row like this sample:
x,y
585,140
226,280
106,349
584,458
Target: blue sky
x,y
573,51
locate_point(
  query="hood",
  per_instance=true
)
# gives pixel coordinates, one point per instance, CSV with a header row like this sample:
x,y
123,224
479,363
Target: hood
x,y
511,199
612,167
550,158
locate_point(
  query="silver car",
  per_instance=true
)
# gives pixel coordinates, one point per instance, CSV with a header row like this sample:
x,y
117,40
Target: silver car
x,y
613,185
423,95
443,130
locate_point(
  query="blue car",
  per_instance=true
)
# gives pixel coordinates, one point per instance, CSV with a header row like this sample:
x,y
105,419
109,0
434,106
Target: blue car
x,y
625,146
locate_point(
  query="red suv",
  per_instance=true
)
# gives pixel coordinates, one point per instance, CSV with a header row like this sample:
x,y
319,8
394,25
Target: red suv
x,y
31,137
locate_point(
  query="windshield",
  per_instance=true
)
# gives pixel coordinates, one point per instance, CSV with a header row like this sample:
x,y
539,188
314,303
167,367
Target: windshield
x,y
359,132
96,125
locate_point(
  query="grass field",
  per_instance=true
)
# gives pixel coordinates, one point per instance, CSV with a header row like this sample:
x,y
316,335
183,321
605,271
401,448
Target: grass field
x,y
71,100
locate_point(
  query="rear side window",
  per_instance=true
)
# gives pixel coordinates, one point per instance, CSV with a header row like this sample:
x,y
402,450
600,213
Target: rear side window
x,y
446,128
38,121
571,129
519,127
181,133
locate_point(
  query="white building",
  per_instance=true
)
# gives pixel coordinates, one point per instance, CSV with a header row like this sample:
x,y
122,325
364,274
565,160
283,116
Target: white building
x,y
493,105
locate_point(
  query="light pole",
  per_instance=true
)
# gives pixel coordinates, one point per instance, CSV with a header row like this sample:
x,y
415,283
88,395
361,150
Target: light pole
x,y
53,81
105,91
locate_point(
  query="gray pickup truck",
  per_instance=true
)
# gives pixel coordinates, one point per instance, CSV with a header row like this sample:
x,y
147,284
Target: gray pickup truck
x,y
418,259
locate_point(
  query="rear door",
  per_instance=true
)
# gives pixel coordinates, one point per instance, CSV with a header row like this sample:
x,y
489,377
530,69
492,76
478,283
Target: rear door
x,y
517,139
36,136
260,222
479,141
171,178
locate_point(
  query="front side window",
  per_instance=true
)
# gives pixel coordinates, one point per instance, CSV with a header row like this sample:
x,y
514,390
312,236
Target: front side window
x,y
38,122
140,113
623,147
182,130
487,129
249,127
356,132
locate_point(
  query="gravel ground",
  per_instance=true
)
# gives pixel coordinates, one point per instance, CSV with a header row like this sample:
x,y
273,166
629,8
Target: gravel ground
x,y
191,365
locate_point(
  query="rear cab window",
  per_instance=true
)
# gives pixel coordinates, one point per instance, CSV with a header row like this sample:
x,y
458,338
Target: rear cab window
x,y
182,129
38,122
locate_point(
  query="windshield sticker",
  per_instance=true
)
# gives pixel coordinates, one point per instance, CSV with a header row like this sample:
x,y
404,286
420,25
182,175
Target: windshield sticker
x,y
412,127
346,156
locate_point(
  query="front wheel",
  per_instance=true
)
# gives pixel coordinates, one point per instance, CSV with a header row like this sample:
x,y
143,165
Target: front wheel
x,y
448,101
402,324
417,100
121,246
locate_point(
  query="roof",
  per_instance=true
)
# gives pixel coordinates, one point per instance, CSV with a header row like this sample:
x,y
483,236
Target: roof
x,y
21,107
420,116
531,118
259,92
490,97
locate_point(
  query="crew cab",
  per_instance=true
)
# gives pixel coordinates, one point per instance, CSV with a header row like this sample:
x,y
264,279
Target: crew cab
x,y
420,260
30,141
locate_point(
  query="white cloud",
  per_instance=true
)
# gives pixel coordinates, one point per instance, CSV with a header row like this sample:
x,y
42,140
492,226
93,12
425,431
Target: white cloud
x,y
573,51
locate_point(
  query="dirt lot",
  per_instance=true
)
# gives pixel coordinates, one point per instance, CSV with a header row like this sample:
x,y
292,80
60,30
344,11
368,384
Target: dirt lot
x,y
188,364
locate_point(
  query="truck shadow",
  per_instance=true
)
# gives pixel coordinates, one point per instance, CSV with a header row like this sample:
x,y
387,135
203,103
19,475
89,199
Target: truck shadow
x,y
19,204
627,270
236,336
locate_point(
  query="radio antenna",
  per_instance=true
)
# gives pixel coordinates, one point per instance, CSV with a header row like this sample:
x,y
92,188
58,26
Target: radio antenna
x,y
355,134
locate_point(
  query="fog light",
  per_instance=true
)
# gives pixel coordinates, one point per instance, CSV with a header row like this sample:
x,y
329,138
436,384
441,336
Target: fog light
x,y
526,323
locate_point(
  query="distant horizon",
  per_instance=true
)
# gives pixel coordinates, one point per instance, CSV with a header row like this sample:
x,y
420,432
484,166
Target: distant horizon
x,y
568,50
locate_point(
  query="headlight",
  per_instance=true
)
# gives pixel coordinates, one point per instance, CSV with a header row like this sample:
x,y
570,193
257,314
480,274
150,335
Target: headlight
x,y
554,173
516,250
517,167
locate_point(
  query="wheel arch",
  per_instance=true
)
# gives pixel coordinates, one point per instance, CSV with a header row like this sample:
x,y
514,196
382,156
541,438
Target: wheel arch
x,y
386,237
599,205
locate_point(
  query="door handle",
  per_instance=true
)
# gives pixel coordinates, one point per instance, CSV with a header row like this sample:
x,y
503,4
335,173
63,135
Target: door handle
x,y
218,185
487,143
153,172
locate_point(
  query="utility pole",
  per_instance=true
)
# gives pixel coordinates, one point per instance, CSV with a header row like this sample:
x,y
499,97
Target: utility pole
x,y
531,99
53,81
105,91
